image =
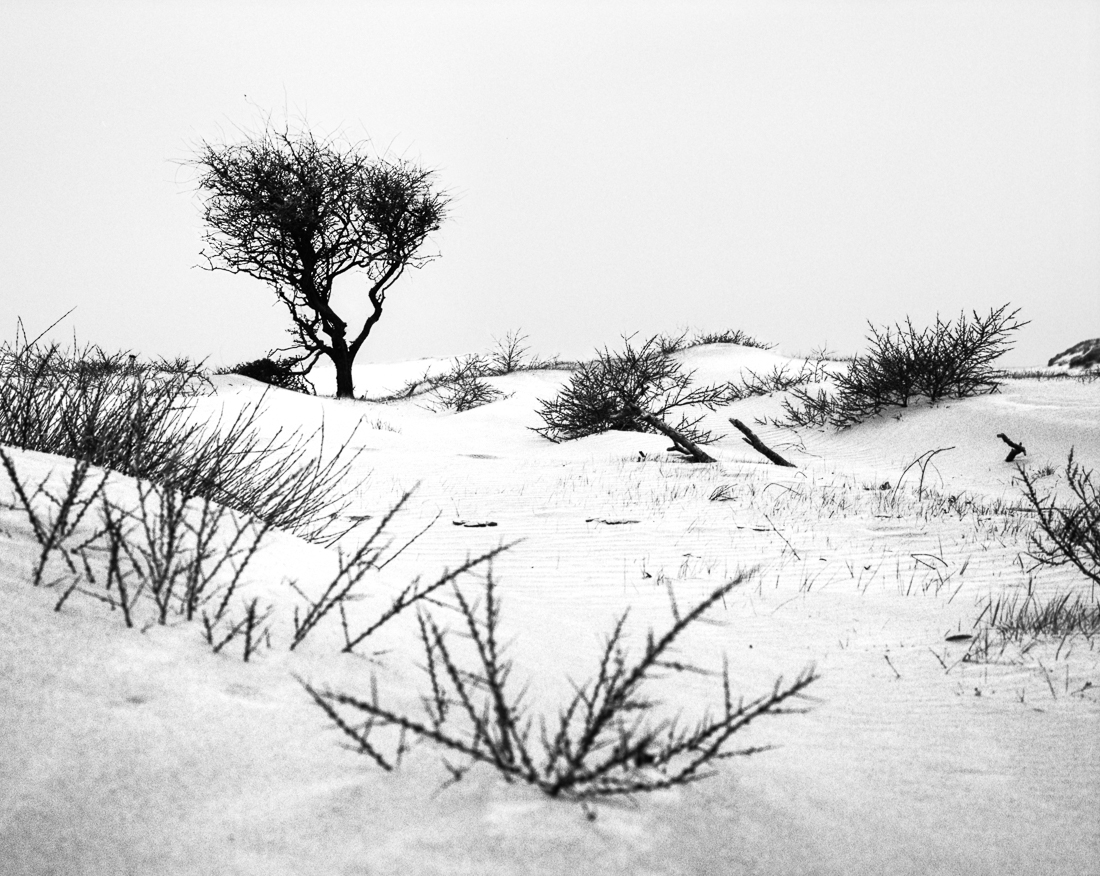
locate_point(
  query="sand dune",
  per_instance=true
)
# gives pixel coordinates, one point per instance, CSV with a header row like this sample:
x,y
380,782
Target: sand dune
x,y
140,751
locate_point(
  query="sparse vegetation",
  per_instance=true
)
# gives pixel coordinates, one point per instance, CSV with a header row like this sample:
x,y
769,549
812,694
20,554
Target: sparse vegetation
x,y
1088,376
463,386
110,411
173,554
729,336
1025,615
669,344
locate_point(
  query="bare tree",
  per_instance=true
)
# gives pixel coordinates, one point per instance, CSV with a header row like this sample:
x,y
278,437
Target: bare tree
x,y
297,213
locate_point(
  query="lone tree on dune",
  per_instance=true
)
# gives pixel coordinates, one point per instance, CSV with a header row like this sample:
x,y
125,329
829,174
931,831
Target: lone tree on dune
x,y
297,213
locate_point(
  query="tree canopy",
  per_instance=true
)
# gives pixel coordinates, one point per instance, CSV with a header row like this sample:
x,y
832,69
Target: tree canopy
x,y
297,213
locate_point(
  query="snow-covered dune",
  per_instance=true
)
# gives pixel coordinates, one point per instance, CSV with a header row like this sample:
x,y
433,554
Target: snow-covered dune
x,y
139,750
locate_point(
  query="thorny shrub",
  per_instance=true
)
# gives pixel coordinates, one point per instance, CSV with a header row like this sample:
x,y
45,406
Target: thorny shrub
x,y
609,392
949,360
133,418
606,740
1068,534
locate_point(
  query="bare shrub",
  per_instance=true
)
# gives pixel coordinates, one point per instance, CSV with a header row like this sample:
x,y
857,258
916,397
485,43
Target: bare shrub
x,y
278,372
1067,534
609,392
729,336
464,394
947,360
113,412
669,344
674,343
604,741
510,353
464,388
176,554
173,557
782,378
461,388
53,528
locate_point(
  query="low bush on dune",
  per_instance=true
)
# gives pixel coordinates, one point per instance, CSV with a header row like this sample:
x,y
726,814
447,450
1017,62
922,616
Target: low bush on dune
x,y
111,411
464,387
279,373
685,340
626,390
950,360
615,390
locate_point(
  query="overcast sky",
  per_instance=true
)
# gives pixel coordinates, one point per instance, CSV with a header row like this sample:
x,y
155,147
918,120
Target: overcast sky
x,y
790,169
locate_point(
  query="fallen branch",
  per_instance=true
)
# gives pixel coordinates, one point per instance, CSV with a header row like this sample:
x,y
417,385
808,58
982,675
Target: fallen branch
x,y
758,445
680,443
1016,450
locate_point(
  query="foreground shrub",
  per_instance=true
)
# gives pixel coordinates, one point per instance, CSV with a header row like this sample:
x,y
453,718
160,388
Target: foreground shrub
x,y
613,391
112,412
279,373
168,558
1067,534
87,404
604,741
945,361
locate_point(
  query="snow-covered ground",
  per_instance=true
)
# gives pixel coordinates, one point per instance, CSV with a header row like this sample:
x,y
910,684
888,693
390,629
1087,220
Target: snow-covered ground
x,y
140,751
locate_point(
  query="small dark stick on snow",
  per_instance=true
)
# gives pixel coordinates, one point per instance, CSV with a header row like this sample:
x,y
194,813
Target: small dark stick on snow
x,y
1016,450
759,446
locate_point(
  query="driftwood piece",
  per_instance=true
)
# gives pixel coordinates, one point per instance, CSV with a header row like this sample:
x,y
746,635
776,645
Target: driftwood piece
x,y
758,445
680,443
1016,450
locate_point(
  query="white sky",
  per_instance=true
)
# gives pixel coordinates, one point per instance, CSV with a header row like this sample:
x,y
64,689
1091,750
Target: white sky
x,y
791,169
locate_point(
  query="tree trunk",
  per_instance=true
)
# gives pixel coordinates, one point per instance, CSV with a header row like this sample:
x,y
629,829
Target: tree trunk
x,y
342,359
